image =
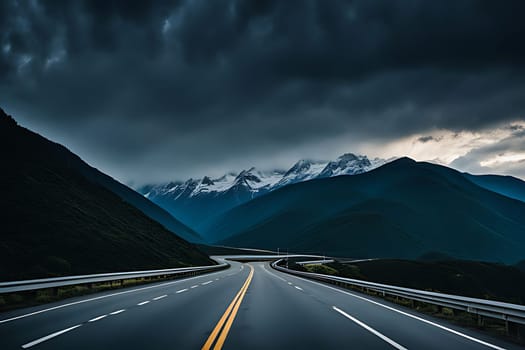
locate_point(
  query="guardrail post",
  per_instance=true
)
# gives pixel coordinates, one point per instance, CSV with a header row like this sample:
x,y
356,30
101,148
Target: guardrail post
x,y
515,329
508,327
481,321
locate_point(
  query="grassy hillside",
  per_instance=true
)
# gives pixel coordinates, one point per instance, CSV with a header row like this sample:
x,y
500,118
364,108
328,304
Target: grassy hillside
x,y
404,209
140,202
54,221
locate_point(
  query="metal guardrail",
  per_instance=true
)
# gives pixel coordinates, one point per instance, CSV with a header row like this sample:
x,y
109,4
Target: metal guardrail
x,y
495,309
28,285
311,262
245,258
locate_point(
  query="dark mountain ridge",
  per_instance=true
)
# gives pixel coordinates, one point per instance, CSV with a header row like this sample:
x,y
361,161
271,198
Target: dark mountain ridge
x,y
58,219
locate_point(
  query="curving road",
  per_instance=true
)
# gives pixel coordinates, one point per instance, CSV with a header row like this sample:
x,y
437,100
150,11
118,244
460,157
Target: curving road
x,y
249,306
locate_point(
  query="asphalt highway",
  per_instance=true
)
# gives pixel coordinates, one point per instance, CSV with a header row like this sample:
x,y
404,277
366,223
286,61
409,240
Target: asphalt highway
x,y
248,306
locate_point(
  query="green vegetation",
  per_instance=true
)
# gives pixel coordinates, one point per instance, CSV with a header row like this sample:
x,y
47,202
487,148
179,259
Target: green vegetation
x,y
319,268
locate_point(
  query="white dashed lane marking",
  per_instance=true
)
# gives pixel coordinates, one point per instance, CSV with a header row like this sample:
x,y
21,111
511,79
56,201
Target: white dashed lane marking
x,y
50,336
97,318
117,312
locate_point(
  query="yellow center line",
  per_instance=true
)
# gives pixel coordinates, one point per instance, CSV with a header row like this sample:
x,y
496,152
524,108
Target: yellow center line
x,y
227,317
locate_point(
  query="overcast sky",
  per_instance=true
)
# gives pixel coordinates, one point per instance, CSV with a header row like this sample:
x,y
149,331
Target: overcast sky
x,y
166,90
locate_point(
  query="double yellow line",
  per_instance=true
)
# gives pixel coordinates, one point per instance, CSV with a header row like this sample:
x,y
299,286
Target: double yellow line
x,y
227,318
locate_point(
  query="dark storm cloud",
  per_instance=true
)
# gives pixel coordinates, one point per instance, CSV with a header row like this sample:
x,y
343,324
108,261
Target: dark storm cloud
x,y
429,138
151,90
425,139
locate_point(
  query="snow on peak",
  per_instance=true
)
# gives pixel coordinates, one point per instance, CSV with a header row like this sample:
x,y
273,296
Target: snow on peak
x,y
347,164
301,171
300,167
254,179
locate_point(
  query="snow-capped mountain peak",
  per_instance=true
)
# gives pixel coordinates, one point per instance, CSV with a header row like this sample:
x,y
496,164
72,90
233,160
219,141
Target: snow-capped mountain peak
x,y
256,180
247,175
207,181
303,170
302,166
347,164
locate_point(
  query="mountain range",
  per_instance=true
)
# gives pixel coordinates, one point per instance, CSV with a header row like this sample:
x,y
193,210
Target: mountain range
x,y
61,217
196,202
403,209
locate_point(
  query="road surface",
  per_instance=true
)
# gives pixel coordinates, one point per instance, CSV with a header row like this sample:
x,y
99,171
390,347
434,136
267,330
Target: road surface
x,y
249,306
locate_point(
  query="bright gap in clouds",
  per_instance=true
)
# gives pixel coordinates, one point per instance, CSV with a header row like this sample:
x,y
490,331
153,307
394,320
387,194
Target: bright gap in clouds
x,y
481,151
503,158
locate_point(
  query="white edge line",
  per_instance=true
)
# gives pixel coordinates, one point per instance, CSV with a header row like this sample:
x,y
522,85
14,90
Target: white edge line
x,y
160,297
97,298
143,303
370,329
274,275
47,337
476,340
117,312
97,318
182,290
